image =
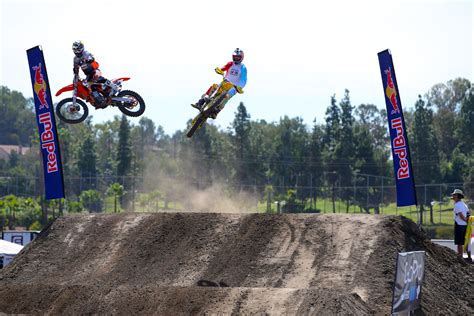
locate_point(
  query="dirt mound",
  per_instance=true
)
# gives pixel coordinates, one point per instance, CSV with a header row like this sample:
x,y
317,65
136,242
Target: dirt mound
x,y
192,263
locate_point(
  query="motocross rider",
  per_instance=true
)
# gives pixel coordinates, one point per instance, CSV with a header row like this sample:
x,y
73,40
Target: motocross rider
x,y
90,67
236,73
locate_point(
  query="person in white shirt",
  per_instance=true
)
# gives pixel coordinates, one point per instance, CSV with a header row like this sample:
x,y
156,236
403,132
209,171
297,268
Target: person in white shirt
x,y
460,220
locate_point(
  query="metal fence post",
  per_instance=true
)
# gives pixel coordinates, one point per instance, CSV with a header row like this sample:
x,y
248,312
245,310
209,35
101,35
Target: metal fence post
x,y
255,193
367,201
381,203
355,194
133,193
440,200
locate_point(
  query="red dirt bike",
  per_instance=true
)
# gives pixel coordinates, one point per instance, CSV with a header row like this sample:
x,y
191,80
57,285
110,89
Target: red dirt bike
x,y
74,110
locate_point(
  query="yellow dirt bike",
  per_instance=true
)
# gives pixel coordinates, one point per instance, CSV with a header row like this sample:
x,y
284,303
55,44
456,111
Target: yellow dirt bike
x,y
212,104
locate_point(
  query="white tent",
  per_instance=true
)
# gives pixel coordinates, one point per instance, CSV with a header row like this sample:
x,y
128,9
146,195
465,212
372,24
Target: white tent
x,y
8,250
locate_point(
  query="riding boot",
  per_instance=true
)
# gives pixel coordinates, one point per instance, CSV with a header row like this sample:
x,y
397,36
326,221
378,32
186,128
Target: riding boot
x,y
199,104
110,88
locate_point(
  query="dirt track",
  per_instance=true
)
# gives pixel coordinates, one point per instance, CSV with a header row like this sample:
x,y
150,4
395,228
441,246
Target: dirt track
x,y
193,263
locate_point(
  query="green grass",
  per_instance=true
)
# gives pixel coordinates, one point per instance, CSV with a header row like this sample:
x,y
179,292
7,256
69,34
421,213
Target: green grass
x,y
442,213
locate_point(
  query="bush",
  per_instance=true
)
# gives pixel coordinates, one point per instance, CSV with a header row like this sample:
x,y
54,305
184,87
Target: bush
x,y
35,226
292,205
92,201
312,210
74,206
440,232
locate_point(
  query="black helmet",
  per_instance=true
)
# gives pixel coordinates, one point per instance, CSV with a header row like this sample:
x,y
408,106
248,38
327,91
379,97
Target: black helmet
x,y
77,48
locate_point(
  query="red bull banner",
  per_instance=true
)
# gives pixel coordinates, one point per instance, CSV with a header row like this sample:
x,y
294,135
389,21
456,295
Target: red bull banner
x,y
49,142
405,182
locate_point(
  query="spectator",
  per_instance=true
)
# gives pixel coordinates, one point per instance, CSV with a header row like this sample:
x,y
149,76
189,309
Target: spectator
x,y
460,220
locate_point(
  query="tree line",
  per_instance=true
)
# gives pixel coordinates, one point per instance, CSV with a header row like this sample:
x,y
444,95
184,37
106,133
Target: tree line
x,y
340,150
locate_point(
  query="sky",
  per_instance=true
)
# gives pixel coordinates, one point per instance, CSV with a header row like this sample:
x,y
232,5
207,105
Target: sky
x,y
298,53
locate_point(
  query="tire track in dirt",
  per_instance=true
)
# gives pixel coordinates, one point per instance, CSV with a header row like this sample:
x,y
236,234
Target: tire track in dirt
x,y
350,242
296,255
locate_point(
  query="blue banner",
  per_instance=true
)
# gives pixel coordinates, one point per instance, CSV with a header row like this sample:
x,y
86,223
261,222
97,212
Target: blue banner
x,y
406,194
49,142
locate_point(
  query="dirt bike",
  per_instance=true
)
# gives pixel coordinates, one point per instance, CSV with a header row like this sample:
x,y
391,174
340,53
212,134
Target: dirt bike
x,y
74,110
211,104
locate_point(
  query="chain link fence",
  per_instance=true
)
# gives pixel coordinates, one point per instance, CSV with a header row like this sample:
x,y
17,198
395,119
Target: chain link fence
x,y
366,194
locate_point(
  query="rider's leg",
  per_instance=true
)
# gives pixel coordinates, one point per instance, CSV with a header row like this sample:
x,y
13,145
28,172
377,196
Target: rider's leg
x,y
109,88
229,95
221,106
96,77
212,89
205,97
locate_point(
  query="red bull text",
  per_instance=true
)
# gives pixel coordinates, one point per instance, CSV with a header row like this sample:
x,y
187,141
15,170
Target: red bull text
x,y
47,141
400,149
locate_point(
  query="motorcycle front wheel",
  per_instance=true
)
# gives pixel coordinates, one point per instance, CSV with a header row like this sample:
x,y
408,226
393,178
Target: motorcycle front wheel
x,y
72,113
135,106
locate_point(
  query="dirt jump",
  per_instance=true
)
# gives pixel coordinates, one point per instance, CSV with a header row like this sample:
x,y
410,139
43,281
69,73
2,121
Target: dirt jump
x,y
197,263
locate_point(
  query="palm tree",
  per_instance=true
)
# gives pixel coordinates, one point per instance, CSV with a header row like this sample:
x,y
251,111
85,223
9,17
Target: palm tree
x,y
115,190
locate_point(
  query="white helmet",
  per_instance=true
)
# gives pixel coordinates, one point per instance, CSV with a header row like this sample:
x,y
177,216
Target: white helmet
x,y
238,56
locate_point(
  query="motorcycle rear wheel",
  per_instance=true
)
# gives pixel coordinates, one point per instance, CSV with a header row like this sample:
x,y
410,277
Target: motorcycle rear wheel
x,y
135,108
71,114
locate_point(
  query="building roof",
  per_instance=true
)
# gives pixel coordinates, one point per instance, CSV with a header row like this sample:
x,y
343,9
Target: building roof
x,y
6,150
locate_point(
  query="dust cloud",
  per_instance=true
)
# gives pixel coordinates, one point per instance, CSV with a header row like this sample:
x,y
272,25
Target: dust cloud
x,y
188,188
179,195
219,199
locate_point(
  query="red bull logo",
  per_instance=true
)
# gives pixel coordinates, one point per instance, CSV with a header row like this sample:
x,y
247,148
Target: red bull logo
x,y
391,92
40,87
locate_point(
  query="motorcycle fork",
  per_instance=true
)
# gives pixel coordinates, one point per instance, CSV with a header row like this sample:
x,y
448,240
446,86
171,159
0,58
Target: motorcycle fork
x,y
74,94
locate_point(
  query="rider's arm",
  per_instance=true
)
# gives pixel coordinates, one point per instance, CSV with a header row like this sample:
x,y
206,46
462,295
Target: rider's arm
x,y
227,66
243,77
91,60
75,67
88,57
